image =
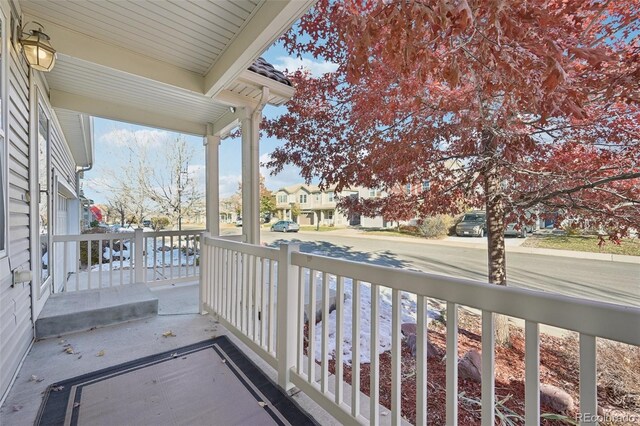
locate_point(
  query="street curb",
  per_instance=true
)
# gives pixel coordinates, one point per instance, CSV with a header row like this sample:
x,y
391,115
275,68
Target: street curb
x,y
510,249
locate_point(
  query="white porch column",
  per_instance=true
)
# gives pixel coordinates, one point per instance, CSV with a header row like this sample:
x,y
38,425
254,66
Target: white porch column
x,y
251,170
248,204
212,146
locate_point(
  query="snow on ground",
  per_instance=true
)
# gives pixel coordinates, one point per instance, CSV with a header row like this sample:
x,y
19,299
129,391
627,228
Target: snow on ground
x,y
408,315
156,254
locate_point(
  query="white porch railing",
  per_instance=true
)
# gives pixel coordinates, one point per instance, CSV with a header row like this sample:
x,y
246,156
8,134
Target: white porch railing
x,y
260,293
92,261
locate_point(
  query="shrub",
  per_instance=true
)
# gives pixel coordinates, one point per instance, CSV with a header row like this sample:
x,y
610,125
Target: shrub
x,y
436,226
160,222
95,247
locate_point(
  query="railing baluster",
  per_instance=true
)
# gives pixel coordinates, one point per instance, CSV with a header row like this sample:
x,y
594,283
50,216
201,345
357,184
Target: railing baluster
x,y
355,349
171,257
339,377
89,264
155,259
179,256
588,382
246,283
488,373
396,358
164,257
311,326
78,265
264,290
532,374
122,260
421,361
374,375
272,307
111,262
132,259
99,263
452,364
301,307
233,282
65,266
324,381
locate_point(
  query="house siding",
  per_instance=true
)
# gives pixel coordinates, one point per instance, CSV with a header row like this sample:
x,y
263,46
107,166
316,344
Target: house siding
x,y
16,326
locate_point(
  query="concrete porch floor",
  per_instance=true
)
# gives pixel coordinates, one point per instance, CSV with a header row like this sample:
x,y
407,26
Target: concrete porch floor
x,y
47,362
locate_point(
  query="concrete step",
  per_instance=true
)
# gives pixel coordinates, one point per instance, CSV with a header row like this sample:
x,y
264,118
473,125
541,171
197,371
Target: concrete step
x,y
82,310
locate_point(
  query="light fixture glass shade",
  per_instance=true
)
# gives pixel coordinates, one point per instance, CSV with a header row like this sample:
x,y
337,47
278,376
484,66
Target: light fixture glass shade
x,y
38,51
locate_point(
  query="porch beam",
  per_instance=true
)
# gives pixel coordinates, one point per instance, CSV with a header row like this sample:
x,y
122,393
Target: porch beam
x,y
125,113
81,46
271,20
226,123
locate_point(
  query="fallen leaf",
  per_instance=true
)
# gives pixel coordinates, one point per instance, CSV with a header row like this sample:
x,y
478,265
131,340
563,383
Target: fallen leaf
x,y
224,360
33,378
57,388
262,404
101,353
80,357
69,350
16,407
175,355
168,334
76,404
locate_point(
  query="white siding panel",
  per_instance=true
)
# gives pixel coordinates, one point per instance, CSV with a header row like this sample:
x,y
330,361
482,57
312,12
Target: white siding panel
x,y
16,326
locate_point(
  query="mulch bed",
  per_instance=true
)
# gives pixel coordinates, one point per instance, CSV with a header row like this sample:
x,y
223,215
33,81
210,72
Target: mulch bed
x,y
556,368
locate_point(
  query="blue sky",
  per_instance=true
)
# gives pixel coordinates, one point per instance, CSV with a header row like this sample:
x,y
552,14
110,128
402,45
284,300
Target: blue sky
x,y
111,153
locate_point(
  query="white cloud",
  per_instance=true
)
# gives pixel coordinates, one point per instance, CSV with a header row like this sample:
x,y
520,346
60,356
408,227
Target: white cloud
x,y
124,137
229,185
290,175
317,68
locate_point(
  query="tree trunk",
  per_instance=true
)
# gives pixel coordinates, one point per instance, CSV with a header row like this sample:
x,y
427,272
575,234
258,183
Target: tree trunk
x,y
497,261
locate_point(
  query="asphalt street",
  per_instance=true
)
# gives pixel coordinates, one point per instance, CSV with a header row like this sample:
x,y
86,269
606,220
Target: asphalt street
x,y
613,282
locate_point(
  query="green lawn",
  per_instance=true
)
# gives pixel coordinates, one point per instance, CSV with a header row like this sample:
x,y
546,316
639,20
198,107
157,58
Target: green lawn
x,y
391,233
583,243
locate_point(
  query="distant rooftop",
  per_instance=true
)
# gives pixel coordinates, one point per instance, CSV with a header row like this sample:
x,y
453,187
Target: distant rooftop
x,y
262,67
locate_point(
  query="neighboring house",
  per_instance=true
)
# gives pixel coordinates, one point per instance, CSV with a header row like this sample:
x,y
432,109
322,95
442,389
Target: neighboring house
x,y
320,206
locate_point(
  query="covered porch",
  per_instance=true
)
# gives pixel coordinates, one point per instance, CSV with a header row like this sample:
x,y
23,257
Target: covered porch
x,y
194,69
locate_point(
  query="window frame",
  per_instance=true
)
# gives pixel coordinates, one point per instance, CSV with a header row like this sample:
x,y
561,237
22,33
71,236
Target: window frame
x,y
303,198
330,196
41,105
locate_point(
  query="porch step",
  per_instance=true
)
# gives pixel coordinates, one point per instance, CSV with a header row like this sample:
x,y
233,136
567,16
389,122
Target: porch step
x,y
82,310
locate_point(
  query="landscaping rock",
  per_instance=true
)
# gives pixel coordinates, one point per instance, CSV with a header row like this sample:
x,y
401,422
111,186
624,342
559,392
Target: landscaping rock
x,y
555,398
409,328
470,366
432,350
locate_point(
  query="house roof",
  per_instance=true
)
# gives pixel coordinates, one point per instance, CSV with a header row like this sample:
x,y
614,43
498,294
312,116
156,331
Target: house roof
x,y
262,67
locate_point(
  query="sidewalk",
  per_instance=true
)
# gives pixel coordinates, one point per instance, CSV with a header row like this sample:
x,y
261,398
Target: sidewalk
x,y
512,245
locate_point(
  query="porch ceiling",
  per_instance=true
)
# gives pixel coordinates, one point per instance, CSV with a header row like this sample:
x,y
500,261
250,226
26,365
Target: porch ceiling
x,y
170,64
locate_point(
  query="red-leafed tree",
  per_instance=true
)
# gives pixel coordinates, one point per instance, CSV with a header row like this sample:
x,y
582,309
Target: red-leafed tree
x,y
514,105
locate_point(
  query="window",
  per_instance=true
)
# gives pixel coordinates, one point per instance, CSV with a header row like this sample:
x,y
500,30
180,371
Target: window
x,y
43,184
426,185
330,196
330,215
372,193
303,198
318,198
282,198
408,188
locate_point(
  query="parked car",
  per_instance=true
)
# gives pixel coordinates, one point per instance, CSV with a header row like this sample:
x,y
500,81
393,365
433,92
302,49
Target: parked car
x,y
239,222
521,232
285,226
472,224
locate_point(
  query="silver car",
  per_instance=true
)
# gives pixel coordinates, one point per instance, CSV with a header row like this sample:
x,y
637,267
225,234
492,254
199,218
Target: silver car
x,y
285,226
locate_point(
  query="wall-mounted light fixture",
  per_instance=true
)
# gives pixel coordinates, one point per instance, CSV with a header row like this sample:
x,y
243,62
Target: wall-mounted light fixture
x,y
37,49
